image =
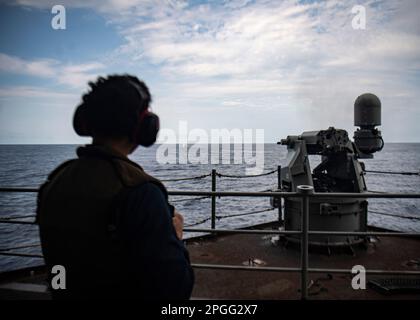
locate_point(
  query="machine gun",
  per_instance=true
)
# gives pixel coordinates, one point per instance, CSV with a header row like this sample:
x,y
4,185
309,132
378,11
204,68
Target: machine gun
x,y
339,171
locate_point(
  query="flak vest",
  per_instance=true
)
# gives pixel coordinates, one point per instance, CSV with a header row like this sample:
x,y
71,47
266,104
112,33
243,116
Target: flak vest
x,y
77,213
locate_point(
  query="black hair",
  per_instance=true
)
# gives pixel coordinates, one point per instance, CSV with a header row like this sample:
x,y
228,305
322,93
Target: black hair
x,y
113,105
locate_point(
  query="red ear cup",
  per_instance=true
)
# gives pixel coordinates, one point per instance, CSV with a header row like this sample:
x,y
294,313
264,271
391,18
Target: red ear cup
x,y
80,124
148,129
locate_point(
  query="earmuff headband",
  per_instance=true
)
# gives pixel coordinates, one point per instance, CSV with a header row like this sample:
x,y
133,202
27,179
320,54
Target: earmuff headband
x,y
147,127
145,131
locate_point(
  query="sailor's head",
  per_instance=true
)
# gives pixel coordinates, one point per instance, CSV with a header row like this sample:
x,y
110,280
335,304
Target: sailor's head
x,y
117,107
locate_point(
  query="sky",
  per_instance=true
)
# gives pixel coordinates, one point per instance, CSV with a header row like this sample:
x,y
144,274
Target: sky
x,y
282,66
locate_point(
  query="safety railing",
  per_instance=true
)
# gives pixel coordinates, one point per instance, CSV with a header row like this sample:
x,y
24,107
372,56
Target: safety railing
x,y
213,217
304,192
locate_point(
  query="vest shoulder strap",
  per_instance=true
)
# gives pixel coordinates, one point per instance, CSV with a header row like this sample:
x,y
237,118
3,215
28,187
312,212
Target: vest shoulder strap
x,y
132,175
55,173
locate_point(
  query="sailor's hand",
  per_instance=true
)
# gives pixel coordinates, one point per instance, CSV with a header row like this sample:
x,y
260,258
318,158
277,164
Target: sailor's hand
x,y
178,221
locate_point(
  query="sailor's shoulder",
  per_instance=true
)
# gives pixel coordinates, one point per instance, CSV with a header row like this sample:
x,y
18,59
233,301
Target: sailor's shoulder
x,y
60,168
133,174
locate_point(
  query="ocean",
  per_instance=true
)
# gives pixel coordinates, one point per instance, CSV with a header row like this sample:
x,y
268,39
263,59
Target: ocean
x,y
29,165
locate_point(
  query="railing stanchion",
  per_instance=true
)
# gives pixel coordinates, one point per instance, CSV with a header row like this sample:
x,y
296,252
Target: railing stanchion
x,y
304,190
213,199
279,189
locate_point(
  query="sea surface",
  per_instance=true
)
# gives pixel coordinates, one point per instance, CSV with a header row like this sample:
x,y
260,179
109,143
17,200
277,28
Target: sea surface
x,y
29,165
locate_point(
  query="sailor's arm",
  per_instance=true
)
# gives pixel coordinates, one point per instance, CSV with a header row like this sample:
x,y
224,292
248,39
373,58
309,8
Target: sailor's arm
x,y
161,265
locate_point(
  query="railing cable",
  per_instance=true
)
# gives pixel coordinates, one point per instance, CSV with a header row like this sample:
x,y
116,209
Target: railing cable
x,y
375,191
21,247
245,213
18,222
190,199
219,217
221,175
17,254
391,172
17,217
394,215
187,178
197,223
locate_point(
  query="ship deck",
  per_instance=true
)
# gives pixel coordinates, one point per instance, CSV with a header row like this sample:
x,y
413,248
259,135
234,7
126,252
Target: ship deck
x,y
388,253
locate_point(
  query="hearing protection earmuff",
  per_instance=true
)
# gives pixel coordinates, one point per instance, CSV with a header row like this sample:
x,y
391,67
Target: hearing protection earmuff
x,y
147,127
80,121
145,131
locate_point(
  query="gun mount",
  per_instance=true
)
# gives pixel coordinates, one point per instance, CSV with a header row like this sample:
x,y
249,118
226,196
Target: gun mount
x,y
339,171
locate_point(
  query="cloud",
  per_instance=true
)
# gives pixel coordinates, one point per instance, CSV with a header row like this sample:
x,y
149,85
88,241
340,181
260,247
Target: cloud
x,y
39,68
302,54
272,40
34,92
258,39
118,8
305,55
73,75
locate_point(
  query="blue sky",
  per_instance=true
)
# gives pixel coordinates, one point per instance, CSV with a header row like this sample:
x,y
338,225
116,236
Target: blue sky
x,y
283,66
